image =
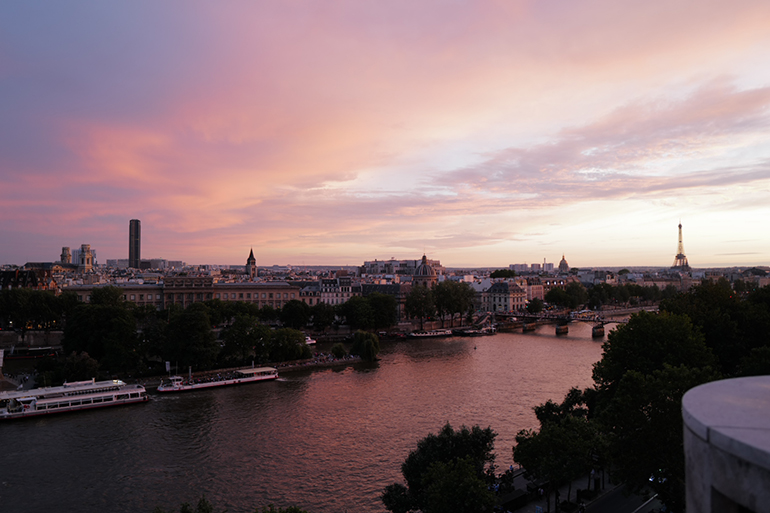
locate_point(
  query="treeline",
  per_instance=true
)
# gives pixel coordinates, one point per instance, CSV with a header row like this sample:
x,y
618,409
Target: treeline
x,y
447,299
111,336
630,421
594,297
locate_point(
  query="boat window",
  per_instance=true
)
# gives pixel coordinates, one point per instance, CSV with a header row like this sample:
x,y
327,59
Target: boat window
x,y
135,394
107,399
74,403
52,406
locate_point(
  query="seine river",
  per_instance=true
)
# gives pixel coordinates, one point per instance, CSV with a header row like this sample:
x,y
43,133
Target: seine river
x,y
328,441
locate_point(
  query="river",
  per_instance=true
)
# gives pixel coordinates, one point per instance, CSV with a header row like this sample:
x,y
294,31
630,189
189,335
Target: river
x,y
328,440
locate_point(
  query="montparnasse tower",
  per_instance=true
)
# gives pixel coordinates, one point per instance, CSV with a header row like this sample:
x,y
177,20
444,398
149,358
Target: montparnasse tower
x,y
680,261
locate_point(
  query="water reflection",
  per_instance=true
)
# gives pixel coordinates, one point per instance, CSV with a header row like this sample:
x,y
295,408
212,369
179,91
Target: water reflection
x,y
327,441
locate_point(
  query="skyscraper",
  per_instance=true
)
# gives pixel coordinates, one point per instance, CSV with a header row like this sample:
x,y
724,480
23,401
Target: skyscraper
x,y
134,243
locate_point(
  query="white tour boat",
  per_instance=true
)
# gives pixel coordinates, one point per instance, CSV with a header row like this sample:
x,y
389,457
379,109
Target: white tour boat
x,y
309,341
248,375
81,395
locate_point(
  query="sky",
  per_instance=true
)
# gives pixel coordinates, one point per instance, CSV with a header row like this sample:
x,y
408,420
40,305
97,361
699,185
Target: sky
x,y
479,133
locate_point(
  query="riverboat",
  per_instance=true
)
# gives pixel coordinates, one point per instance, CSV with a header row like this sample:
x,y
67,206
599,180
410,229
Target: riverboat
x,y
81,395
25,353
562,329
431,334
309,341
248,375
597,331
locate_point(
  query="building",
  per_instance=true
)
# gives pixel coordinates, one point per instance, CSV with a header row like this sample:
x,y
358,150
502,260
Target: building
x,y
186,290
134,243
563,265
504,296
424,275
66,256
398,267
85,258
251,265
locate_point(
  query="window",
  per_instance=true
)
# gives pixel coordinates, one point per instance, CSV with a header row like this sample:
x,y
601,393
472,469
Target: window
x,y
216,295
225,296
240,296
285,295
271,295
141,297
292,295
263,295
133,296
248,295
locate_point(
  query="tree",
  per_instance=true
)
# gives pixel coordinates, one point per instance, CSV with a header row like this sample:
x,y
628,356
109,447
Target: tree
x,y
244,339
646,367
190,341
419,303
559,453
455,462
338,350
106,329
535,305
288,344
295,314
384,309
366,345
503,273
323,316
451,298
357,312
643,421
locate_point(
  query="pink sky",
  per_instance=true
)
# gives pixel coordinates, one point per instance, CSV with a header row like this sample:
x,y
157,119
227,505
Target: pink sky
x,y
479,133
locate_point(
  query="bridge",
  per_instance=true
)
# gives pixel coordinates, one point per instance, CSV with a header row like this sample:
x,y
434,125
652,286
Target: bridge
x,y
526,321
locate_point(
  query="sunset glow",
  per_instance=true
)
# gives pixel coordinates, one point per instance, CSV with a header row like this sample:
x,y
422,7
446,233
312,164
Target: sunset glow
x,y
480,133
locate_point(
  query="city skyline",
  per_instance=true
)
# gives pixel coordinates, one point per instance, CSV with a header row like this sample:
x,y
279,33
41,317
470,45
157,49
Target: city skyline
x,y
482,134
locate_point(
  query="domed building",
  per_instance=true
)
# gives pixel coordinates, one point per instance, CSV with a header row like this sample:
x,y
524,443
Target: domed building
x,y
563,265
424,275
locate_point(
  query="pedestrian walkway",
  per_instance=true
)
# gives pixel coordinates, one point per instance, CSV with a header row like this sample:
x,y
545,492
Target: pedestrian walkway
x,y
612,498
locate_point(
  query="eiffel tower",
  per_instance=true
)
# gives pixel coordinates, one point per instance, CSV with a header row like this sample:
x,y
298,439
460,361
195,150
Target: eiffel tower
x,y
680,261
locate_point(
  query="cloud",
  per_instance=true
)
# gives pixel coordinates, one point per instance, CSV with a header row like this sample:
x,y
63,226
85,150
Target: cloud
x,y
651,149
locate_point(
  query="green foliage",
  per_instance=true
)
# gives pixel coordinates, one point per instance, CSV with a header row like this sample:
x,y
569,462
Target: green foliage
x,y
420,303
457,487
384,308
26,309
732,327
452,298
452,462
366,345
106,329
503,273
190,341
560,452
295,314
357,312
535,305
245,339
645,413
288,344
646,343
323,315
338,350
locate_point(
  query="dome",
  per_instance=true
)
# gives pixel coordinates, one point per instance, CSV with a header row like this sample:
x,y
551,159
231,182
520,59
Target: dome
x,y
424,269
